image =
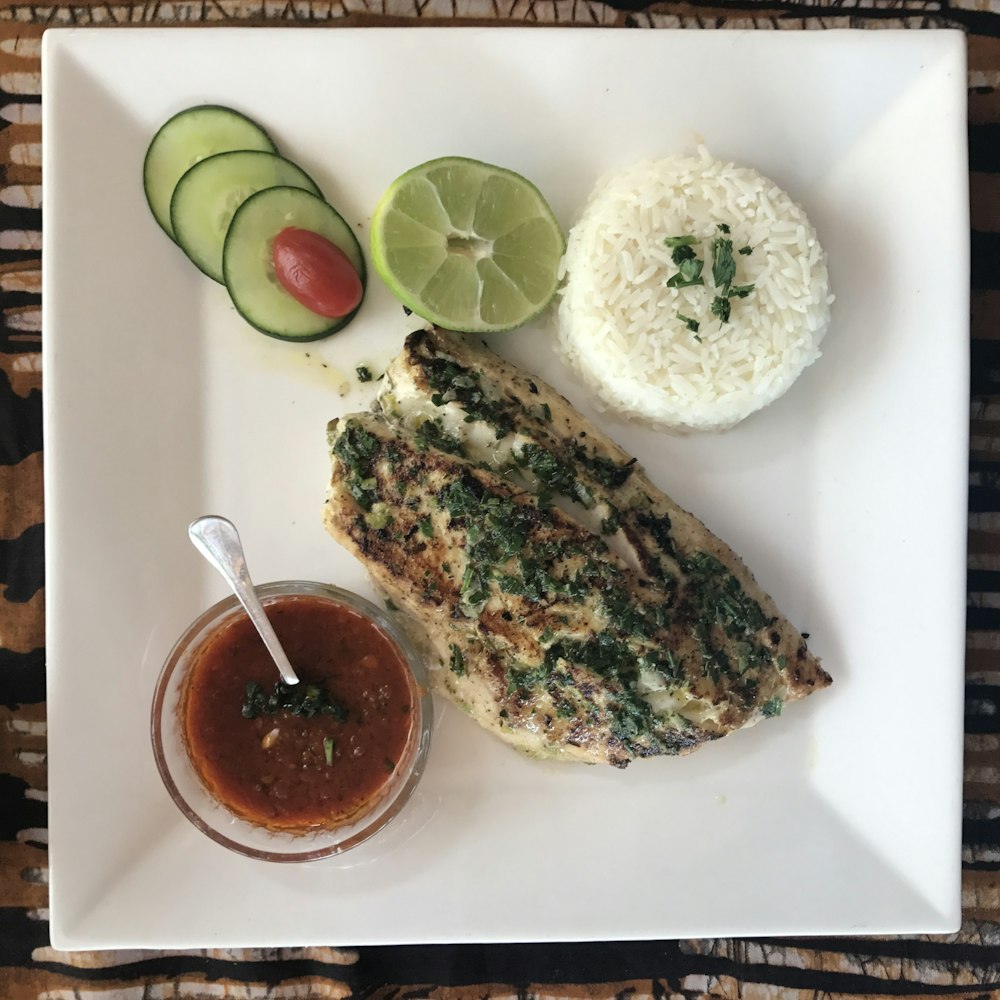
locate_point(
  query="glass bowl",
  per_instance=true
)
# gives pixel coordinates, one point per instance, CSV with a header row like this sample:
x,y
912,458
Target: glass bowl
x,y
212,817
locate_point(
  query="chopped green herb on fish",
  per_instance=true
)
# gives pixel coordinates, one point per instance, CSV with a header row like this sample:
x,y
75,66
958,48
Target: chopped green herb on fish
x,y
606,628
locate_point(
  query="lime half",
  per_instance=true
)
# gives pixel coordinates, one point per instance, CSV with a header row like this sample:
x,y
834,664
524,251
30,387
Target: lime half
x,y
469,246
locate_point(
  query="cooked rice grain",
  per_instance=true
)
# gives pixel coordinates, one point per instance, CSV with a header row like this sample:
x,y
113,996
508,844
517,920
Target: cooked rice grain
x,y
618,320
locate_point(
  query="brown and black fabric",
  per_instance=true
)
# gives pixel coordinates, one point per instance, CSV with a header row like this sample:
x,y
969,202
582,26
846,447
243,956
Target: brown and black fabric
x,y
966,964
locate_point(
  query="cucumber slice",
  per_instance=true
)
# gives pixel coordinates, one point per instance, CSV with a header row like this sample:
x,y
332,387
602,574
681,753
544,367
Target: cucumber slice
x,y
187,138
207,196
254,287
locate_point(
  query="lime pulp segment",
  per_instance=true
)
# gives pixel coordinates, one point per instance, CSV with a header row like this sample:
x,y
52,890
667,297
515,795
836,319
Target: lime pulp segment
x,y
467,245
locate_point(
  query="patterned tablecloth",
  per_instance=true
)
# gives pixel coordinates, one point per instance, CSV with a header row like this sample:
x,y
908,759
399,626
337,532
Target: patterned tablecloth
x,y
964,964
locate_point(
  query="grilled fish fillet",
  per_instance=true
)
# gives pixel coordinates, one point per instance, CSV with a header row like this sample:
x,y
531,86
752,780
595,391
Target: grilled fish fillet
x,y
571,607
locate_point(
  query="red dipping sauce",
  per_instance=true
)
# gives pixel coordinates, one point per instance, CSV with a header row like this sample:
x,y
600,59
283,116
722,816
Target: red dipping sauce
x,y
286,771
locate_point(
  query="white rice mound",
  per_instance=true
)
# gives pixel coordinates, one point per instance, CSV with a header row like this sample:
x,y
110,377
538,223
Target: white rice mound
x,y
619,324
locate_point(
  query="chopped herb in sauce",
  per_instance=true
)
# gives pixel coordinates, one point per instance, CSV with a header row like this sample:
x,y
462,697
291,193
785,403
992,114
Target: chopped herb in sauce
x,y
363,373
328,750
457,661
305,700
426,528
390,765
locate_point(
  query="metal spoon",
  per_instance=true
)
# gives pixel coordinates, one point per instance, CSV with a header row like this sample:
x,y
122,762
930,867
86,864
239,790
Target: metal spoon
x,y
219,542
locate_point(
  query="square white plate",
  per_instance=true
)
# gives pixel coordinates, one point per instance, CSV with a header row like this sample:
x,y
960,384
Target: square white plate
x,y
847,497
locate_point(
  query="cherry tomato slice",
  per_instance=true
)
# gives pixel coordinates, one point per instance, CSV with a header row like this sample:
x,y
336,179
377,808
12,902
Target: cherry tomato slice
x,y
316,272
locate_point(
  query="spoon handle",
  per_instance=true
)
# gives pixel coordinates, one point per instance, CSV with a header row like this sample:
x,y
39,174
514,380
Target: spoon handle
x,y
219,542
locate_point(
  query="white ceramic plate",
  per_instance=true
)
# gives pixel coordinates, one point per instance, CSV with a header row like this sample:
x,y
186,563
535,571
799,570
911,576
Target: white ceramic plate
x,y
847,497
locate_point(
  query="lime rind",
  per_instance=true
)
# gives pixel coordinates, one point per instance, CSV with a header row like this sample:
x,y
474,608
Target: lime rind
x,y
467,245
